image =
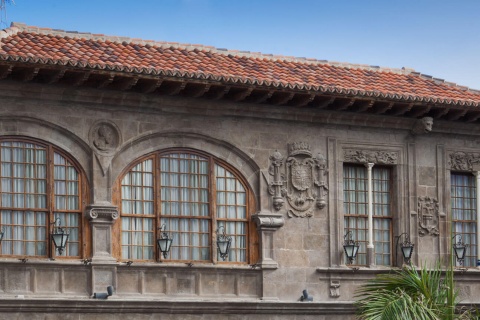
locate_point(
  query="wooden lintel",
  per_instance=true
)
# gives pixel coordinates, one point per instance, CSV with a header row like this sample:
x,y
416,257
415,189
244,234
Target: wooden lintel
x,y
221,93
240,96
285,99
365,105
152,86
128,84
440,112
402,110
345,105
81,79
472,117
267,95
56,76
30,74
176,89
456,114
384,108
302,102
325,103
5,71
106,81
420,111
202,90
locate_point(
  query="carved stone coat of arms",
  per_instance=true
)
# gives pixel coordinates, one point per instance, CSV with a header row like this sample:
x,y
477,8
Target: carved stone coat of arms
x,y
303,185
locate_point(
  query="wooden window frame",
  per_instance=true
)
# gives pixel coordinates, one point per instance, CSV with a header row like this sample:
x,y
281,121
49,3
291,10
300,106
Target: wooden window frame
x,y
468,255
84,248
251,232
391,217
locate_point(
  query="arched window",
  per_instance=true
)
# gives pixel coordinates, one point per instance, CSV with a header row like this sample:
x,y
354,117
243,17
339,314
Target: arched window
x,y
194,195
38,185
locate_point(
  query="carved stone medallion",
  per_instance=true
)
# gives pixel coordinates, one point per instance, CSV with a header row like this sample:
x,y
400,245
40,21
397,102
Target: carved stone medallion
x,y
303,185
369,156
464,161
105,139
428,216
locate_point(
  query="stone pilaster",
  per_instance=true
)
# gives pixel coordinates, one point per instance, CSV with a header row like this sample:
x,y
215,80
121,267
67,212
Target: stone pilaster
x,y
102,215
267,223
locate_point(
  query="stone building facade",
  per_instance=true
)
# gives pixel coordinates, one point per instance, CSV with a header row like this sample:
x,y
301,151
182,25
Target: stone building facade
x,y
111,139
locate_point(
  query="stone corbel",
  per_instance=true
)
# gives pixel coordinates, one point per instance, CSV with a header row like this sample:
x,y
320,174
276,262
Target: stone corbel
x,y
102,216
267,223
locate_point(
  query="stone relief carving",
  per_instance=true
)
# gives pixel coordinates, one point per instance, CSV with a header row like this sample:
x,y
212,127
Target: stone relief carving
x,y
463,160
303,184
428,216
104,139
335,288
367,156
422,126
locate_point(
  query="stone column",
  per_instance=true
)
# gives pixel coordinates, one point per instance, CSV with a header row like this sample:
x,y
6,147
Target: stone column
x,y
370,245
102,215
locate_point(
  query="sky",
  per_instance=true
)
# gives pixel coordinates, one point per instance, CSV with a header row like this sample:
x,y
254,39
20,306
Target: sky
x,y
440,38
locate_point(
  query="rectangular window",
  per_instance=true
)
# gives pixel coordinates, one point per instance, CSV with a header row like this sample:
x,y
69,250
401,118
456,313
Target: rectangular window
x,y
464,213
355,181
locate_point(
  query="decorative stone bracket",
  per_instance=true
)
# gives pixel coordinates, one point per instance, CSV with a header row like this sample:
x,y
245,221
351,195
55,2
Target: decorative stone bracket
x,y
102,215
267,223
302,183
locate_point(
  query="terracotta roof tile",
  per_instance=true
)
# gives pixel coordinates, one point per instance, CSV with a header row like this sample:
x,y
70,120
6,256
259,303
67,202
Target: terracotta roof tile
x,y
48,46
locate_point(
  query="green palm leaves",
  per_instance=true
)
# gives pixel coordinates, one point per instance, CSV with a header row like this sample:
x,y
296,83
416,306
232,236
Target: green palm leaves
x,y
408,294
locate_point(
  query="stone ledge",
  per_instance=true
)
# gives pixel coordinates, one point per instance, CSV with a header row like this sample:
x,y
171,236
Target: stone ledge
x,y
174,307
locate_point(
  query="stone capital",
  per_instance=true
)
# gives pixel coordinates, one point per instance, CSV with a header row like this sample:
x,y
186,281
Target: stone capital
x,y
267,219
102,211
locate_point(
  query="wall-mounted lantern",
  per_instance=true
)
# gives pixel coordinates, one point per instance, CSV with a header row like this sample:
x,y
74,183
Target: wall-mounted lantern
x,y
460,248
350,246
59,236
164,241
406,247
223,243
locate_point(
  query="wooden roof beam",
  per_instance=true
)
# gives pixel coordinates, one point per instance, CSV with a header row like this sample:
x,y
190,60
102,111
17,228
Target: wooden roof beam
x,y
263,97
220,93
150,86
325,103
106,81
345,104
301,101
402,109
365,105
127,84
420,111
242,95
55,76
29,74
175,88
81,78
5,71
456,114
383,108
201,90
472,116
283,99
440,112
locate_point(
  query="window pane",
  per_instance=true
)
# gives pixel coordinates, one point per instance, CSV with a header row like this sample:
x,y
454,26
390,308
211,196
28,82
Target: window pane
x,y
464,213
355,182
